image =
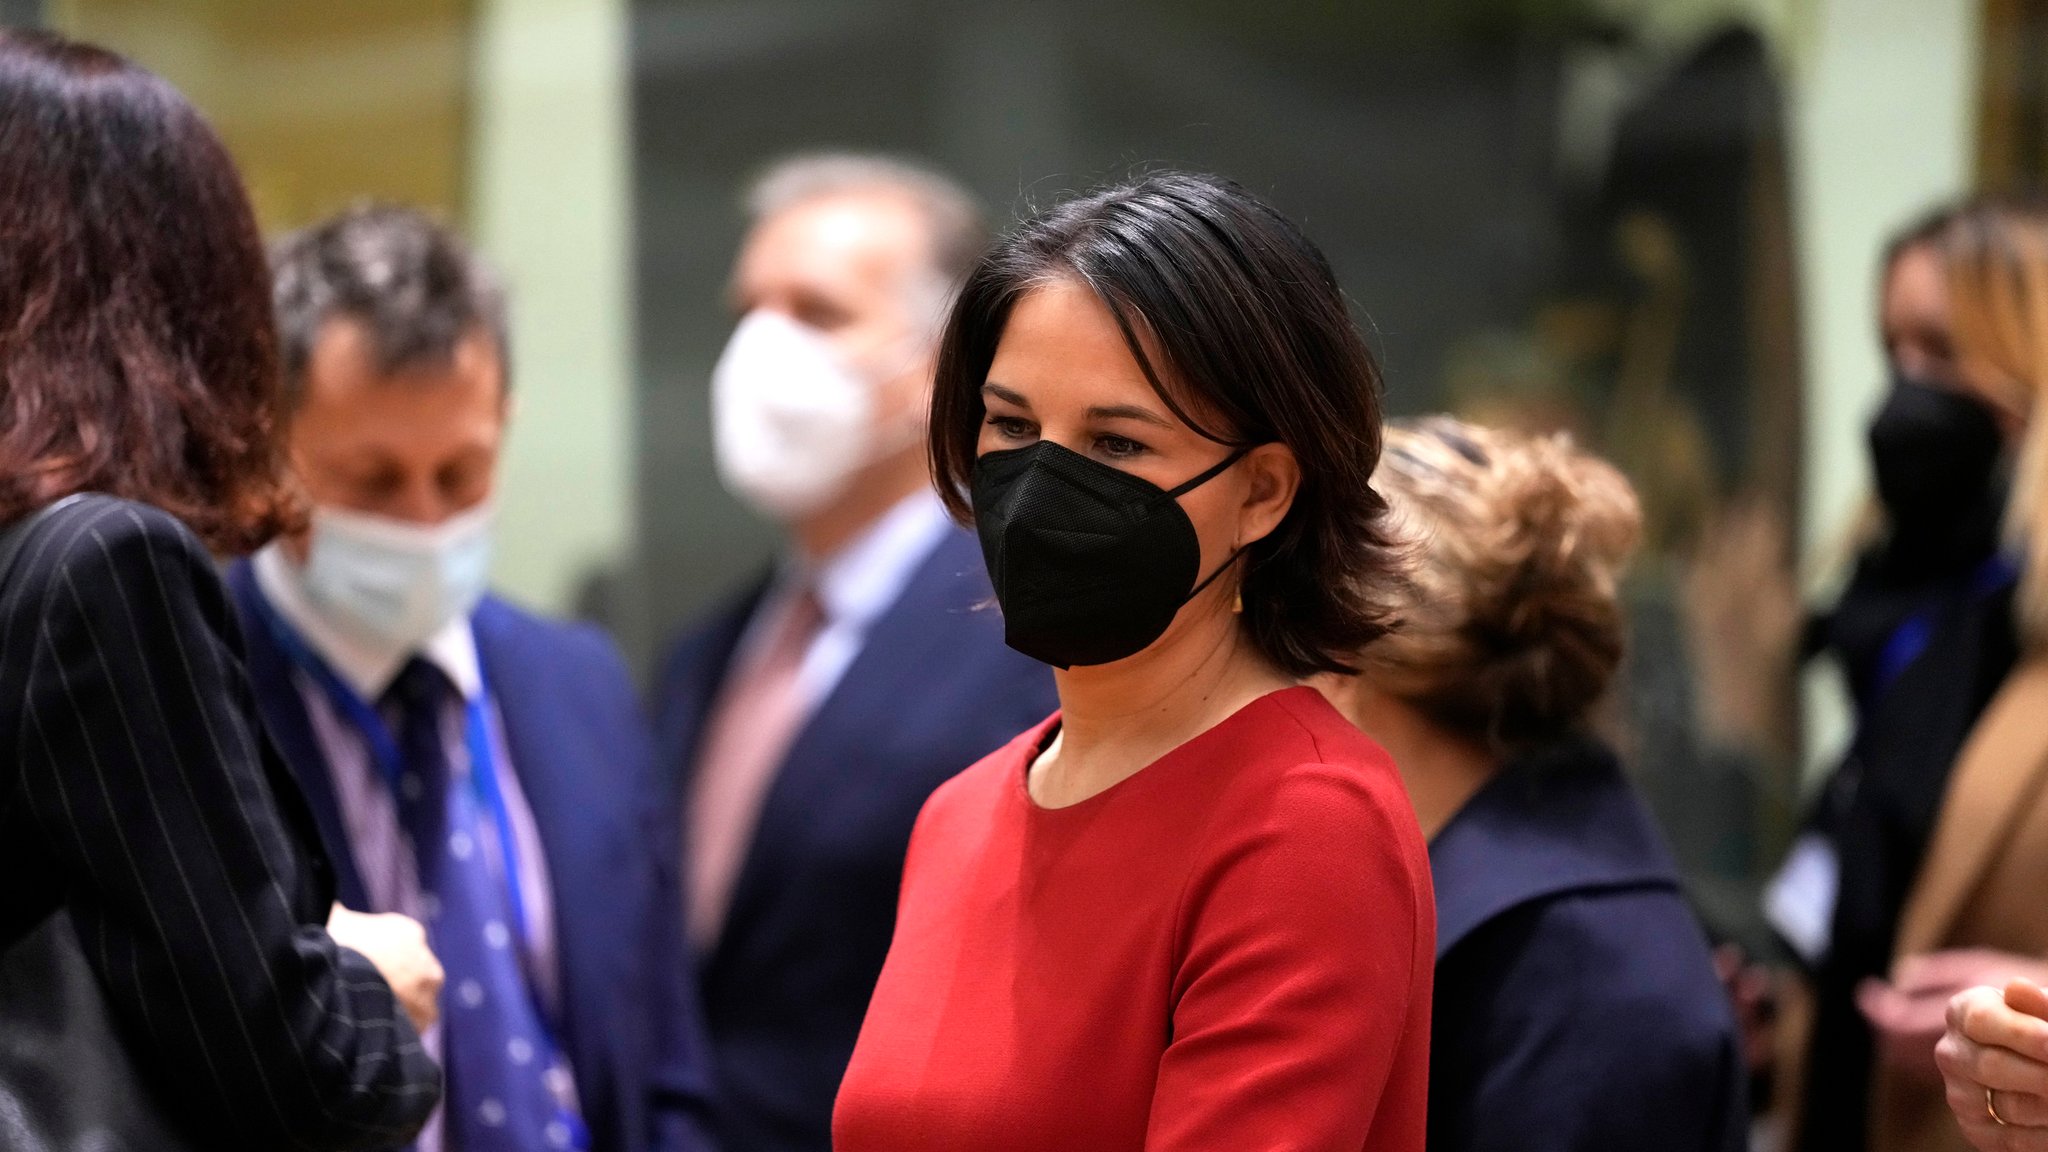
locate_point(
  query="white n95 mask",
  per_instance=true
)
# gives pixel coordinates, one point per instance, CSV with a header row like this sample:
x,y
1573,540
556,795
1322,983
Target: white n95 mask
x,y
394,582
791,421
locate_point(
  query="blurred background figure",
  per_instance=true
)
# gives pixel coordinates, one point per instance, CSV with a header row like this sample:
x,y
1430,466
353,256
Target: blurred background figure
x,y
806,721
1924,635
1971,912
1576,1003
165,981
1936,449
468,763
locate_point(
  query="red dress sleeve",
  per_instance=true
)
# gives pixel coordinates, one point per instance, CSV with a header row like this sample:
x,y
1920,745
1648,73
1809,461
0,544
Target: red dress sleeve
x,y
1301,995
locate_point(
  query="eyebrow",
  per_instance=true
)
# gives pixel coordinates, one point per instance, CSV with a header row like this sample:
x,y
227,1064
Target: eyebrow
x,y
1099,412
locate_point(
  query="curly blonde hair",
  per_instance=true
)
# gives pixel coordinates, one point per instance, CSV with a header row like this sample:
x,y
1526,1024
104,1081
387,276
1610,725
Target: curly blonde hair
x,y
1513,627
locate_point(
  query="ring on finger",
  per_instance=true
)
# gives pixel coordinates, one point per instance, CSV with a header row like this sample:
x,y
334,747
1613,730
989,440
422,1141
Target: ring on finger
x,y
1991,1106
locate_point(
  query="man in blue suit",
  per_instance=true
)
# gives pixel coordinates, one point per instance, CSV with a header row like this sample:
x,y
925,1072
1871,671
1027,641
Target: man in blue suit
x,y
807,721
471,765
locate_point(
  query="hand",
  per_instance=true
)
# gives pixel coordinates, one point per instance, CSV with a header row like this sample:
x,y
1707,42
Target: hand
x,y
397,946
1998,1043
1753,992
1742,612
1909,1015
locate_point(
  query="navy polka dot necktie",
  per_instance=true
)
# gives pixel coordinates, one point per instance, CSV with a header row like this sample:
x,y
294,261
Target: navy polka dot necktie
x,y
507,1087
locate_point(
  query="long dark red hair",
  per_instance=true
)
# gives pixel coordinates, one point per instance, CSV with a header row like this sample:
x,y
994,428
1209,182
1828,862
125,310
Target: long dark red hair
x,y
137,351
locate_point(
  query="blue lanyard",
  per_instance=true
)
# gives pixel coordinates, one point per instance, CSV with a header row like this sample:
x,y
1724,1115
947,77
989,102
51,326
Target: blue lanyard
x,y
383,748
1915,632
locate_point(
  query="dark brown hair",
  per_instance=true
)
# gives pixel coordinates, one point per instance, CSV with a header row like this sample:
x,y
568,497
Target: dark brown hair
x,y
137,356
1253,333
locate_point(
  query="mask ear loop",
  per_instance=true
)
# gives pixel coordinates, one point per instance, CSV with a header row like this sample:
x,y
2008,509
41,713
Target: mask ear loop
x,y
1220,467
1228,561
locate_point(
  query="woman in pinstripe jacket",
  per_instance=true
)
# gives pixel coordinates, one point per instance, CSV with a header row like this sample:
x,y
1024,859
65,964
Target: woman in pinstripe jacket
x,y
137,790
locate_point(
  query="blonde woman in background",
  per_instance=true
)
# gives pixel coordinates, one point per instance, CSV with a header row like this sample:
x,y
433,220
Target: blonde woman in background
x,y
1576,1006
1980,903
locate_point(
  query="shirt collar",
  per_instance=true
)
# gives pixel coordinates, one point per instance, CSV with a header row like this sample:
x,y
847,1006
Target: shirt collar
x,y
365,667
860,581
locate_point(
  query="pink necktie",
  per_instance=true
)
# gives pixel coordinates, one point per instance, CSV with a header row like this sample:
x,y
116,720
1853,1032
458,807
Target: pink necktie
x,y
752,726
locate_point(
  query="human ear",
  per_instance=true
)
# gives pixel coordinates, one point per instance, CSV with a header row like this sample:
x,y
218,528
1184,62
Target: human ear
x,y
1272,477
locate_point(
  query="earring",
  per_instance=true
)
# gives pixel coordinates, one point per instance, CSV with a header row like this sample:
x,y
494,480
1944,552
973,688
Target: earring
x,y
1237,603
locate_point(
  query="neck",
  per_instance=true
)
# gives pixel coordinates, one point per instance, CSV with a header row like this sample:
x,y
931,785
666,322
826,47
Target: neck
x,y
1442,769
874,490
1117,718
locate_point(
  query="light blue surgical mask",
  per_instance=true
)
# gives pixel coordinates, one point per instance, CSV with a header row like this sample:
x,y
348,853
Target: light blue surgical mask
x,y
397,583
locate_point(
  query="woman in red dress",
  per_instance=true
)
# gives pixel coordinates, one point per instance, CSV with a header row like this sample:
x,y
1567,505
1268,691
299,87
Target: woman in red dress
x,y
1191,910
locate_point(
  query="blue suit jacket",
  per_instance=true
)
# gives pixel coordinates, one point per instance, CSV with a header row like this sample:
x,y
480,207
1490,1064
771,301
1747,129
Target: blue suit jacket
x,y
1576,1005
932,691
585,762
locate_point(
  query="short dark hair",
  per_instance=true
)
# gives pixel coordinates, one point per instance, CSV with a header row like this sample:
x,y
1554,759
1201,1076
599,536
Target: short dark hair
x,y
137,356
412,283
1253,333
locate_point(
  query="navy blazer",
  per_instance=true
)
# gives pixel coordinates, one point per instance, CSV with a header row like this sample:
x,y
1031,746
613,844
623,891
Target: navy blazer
x,y
585,762
1576,1004
932,690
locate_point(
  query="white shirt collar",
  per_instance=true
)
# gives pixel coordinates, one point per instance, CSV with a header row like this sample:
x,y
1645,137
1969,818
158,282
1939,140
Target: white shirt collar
x,y
368,668
863,579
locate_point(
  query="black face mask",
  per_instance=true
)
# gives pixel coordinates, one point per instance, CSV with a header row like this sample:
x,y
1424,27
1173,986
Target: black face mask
x,y
1090,564
1935,451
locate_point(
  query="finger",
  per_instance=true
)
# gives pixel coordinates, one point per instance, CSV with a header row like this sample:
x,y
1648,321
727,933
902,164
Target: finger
x,y
1916,1018
1983,1017
2006,1071
2022,1114
2028,997
1951,970
1878,1002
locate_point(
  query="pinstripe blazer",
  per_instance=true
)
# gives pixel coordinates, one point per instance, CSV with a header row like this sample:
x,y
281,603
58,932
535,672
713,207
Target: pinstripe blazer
x,y
145,799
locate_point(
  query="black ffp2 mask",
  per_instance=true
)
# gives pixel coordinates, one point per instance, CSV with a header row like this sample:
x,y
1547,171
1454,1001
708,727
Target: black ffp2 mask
x,y
1935,454
1090,564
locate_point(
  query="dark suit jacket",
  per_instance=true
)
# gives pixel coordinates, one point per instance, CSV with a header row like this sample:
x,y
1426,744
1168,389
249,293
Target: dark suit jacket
x,y
1576,1007
932,691
585,763
143,796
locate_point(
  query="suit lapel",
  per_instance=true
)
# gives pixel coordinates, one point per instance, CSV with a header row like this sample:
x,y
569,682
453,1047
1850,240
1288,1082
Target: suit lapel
x,y
2002,766
692,683
578,843
276,687
901,643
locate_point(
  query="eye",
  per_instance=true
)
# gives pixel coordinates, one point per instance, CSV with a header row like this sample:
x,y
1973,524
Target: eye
x,y
1119,447
1011,427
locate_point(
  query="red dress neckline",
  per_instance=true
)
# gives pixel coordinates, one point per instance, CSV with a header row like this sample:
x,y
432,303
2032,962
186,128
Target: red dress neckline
x,y
1040,737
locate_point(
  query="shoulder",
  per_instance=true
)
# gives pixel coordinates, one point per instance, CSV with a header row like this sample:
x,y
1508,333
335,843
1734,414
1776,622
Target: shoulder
x,y
989,779
1306,772
102,545
968,803
85,529
1311,810
1624,966
500,621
